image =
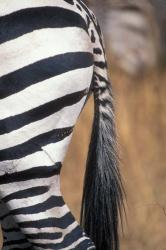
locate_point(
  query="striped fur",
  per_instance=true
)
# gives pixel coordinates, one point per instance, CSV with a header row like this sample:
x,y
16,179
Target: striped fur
x,y
52,58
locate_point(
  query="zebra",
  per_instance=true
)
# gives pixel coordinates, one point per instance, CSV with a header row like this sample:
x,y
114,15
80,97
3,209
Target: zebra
x,y
52,59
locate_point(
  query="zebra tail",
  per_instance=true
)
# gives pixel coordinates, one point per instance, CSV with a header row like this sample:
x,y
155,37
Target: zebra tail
x,y
102,199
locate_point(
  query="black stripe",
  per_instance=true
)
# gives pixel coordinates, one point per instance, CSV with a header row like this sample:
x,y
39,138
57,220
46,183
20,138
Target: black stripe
x,y
29,174
5,216
26,193
61,222
101,78
42,70
14,242
25,248
44,236
51,202
101,64
69,2
9,230
97,26
26,20
67,241
35,144
15,122
97,51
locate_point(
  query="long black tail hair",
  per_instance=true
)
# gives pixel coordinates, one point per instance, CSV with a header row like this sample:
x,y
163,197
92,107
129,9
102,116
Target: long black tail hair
x,y
103,192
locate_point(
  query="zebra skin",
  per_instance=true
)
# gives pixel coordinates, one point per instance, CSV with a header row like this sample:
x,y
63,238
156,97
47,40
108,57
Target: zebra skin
x,y
52,58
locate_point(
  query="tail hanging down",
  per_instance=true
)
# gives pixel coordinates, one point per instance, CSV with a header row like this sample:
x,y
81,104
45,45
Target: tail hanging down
x,y
103,191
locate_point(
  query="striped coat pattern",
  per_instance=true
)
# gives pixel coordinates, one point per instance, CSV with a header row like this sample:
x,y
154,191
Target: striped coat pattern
x,y
50,51
45,75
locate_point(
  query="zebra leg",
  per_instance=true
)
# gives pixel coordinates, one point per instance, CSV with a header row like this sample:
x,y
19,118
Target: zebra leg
x,y
34,214
11,233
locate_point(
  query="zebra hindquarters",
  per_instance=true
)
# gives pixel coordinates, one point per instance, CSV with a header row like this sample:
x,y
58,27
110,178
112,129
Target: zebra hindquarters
x,y
45,76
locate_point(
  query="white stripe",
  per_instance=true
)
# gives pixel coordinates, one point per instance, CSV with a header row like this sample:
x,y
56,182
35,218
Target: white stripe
x,y
56,212
56,151
65,231
66,117
92,247
8,6
41,44
102,72
75,243
34,200
45,91
9,188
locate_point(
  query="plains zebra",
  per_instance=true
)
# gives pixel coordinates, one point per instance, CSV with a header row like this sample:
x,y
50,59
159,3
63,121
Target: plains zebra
x,y
52,58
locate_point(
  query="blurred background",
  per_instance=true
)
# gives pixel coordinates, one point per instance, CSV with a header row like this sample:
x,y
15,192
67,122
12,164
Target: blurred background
x,y
135,39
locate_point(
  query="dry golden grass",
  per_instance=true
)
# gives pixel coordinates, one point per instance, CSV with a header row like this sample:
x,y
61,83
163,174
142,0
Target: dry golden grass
x,y
141,122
